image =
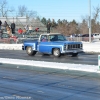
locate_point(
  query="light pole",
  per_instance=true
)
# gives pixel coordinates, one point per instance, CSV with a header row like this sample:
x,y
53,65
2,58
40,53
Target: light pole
x,y
89,20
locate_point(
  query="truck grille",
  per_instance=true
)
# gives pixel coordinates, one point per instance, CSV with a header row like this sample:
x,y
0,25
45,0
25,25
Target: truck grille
x,y
74,46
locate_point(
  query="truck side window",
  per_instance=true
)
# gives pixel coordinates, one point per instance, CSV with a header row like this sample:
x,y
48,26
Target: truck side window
x,y
54,38
44,38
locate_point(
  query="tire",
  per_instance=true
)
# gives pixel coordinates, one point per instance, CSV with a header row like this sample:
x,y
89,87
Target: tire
x,y
56,52
30,52
74,54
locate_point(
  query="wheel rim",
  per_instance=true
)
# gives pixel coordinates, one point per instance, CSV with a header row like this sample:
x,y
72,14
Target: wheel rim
x,y
29,50
56,52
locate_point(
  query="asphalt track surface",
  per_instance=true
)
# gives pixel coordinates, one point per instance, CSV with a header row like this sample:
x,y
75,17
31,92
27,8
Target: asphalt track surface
x,y
48,84
83,58
20,84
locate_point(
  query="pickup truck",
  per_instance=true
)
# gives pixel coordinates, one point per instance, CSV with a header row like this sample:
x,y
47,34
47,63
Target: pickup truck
x,y
52,43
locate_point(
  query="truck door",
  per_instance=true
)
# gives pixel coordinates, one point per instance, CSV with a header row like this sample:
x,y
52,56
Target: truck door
x,y
43,44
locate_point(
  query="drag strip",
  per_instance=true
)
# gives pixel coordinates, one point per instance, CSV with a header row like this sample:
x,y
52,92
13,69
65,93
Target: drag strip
x,y
83,58
20,84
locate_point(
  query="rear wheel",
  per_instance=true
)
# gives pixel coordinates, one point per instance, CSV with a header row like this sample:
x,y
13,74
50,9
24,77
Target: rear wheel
x,y
30,52
74,54
56,52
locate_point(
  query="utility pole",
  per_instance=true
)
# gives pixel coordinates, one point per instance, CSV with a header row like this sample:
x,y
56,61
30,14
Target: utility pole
x,y
89,20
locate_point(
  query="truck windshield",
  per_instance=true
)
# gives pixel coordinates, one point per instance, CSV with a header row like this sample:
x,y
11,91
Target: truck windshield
x,y
57,37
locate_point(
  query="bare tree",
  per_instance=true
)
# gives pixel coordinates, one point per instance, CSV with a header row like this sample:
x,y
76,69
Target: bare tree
x,y
83,27
96,13
94,21
31,14
22,11
4,9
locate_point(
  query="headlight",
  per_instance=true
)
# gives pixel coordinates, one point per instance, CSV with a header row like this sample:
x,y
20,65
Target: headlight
x,y
65,47
81,45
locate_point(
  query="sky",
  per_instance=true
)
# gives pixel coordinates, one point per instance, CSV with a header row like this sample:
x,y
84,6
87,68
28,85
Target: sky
x,y
58,9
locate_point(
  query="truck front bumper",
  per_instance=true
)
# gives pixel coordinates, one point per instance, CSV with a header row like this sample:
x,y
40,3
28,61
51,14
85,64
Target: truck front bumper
x,y
73,51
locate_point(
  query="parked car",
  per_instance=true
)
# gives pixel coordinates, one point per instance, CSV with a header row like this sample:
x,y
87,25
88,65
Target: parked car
x,y
5,38
55,44
96,36
85,37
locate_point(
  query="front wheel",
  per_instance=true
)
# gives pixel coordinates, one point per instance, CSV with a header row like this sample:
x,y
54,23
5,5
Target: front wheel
x,y
74,54
30,52
56,52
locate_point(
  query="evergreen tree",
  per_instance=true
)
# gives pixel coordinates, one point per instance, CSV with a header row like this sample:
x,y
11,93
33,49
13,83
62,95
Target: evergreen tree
x,y
59,21
49,20
44,21
53,24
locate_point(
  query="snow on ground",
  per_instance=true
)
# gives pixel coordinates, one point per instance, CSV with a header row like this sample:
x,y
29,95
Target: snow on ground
x,y
91,47
11,46
87,47
56,65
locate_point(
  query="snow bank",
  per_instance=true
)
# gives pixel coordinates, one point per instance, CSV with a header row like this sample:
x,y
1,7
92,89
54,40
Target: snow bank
x,y
11,46
64,66
91,47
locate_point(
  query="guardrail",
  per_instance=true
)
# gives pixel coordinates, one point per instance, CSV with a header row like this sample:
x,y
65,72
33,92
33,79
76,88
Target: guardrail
x,y
85,39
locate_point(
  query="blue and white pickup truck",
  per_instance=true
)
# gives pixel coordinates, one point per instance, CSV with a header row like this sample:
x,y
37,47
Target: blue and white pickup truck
x,y
52,43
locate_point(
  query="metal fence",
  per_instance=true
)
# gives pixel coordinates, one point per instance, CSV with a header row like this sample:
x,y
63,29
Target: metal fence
x,y
35,35
85,39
